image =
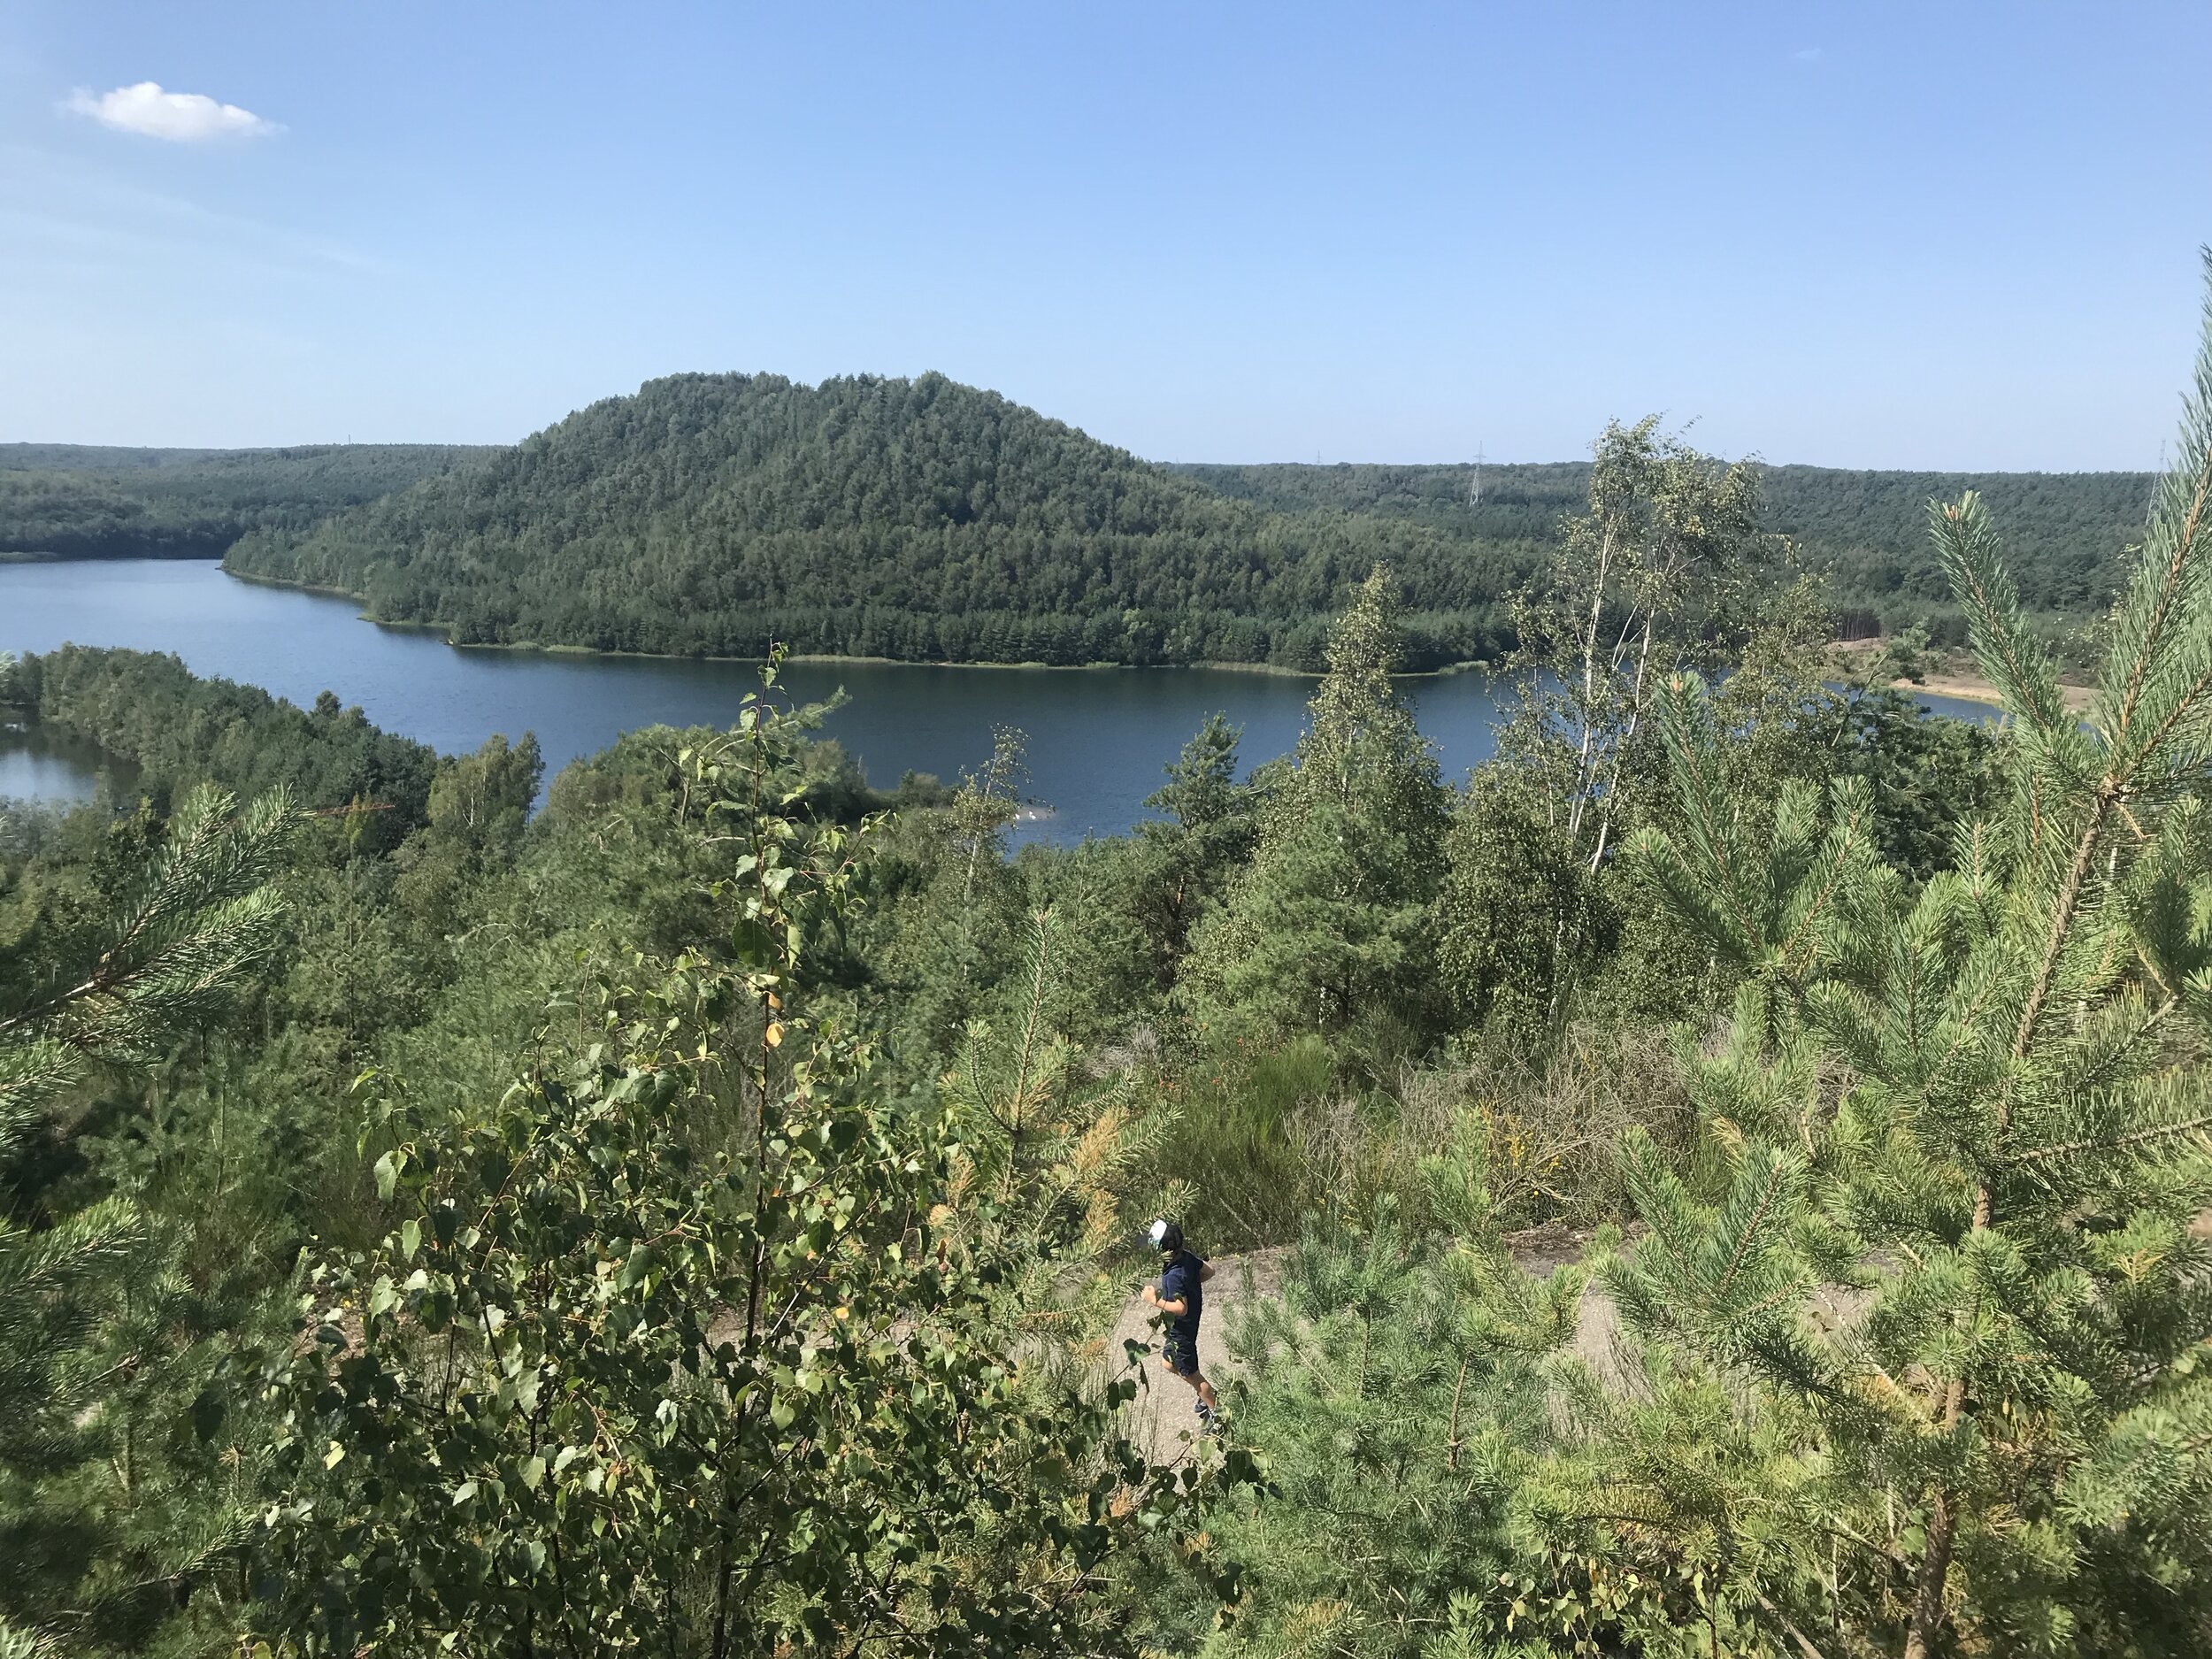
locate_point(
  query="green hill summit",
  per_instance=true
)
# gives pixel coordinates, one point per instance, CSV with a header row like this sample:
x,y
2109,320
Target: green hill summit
x,y
715,513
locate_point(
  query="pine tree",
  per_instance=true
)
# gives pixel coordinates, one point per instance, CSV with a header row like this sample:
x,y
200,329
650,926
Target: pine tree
x,y
950,947
101,1549
1975,1111
1053,1163
1329,921
1210,826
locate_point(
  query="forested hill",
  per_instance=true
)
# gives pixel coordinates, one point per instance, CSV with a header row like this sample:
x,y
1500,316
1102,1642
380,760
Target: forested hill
x,y
79,501
909,518
2063,532
923,519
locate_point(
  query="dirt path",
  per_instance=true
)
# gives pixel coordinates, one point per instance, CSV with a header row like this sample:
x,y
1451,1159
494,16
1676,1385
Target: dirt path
x,y
1161,1418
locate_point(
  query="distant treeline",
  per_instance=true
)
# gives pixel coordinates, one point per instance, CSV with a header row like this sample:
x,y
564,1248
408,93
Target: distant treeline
x,y
77,501
714,515
2064,532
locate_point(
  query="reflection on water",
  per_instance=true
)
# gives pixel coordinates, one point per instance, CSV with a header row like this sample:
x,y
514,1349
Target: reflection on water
x,y
1098,738
37,765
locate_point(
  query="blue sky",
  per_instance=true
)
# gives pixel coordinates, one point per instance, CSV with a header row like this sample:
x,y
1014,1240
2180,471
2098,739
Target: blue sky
x,y
1927,235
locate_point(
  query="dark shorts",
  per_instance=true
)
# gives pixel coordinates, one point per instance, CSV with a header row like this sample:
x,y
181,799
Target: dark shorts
x,y
1179,1353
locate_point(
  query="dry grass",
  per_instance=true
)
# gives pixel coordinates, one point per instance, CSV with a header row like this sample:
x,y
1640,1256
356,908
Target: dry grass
x,y
1551,1132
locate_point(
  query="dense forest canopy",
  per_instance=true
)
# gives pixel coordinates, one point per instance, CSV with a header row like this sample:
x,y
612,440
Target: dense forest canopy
x,y
177,730
923,519
2066,532
918,520
83,500
1730,1178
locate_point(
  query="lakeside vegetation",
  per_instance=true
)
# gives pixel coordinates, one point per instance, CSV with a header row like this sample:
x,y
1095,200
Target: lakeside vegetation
x,y
714,515
2066,537
77,501
688,1220
926,521
717,515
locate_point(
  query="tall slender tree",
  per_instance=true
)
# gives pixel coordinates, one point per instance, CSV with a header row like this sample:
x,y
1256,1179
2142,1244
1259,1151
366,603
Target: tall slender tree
x,y
1667,571
1329,919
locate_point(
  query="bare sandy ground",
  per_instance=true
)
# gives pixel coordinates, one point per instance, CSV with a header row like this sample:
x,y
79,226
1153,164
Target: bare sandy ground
x,y
1955,674
1161,1416
1971,688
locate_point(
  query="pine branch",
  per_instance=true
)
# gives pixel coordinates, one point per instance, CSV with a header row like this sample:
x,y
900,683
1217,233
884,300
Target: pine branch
x,y
2152,1136
2015,661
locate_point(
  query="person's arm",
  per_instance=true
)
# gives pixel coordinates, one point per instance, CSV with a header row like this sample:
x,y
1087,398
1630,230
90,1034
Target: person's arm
x,y
1177,1308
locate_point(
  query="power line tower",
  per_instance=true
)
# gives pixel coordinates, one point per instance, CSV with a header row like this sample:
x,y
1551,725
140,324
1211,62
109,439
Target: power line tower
x,y
1474,484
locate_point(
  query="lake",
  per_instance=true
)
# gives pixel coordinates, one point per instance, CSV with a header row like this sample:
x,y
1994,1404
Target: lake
x,y
1098,738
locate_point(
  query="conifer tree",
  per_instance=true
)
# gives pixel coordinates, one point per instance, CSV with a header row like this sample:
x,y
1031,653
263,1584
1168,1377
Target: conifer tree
x,y
1208,831
1329,920
951,947
1975,1111
101,1549
1052,1163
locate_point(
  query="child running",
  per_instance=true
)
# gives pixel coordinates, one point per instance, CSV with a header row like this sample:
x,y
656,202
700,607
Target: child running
x,y
1181,1293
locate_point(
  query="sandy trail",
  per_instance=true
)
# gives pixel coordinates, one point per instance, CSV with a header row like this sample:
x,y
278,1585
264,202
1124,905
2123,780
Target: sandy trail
x,y
1161,1418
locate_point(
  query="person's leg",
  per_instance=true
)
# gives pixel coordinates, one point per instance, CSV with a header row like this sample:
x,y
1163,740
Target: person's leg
x,y
1185,1367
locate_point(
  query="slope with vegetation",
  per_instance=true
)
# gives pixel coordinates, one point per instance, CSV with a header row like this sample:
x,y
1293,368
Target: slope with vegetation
x,y
2067,534
76,501
716,514
689,1221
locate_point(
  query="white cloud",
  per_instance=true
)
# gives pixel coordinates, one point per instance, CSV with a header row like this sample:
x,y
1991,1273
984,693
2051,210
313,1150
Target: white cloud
x,y
1810,55
182,118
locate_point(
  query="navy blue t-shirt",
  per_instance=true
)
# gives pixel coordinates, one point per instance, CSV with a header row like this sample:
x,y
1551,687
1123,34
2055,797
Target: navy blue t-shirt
x,y
1180,1282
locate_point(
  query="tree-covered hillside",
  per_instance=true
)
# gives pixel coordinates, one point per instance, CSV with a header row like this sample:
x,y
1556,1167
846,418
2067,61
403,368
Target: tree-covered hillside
x,y
79,501
1868,530
920,519
927,520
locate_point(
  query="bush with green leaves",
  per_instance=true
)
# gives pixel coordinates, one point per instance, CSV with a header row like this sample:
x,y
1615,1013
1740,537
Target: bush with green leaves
x,y
695,1343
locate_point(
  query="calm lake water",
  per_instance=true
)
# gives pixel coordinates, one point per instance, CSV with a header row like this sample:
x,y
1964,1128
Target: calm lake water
x,y
1098,738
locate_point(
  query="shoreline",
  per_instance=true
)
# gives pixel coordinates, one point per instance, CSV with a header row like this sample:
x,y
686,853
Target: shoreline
x,y
1952,682
1955,674
537,648
1973,688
